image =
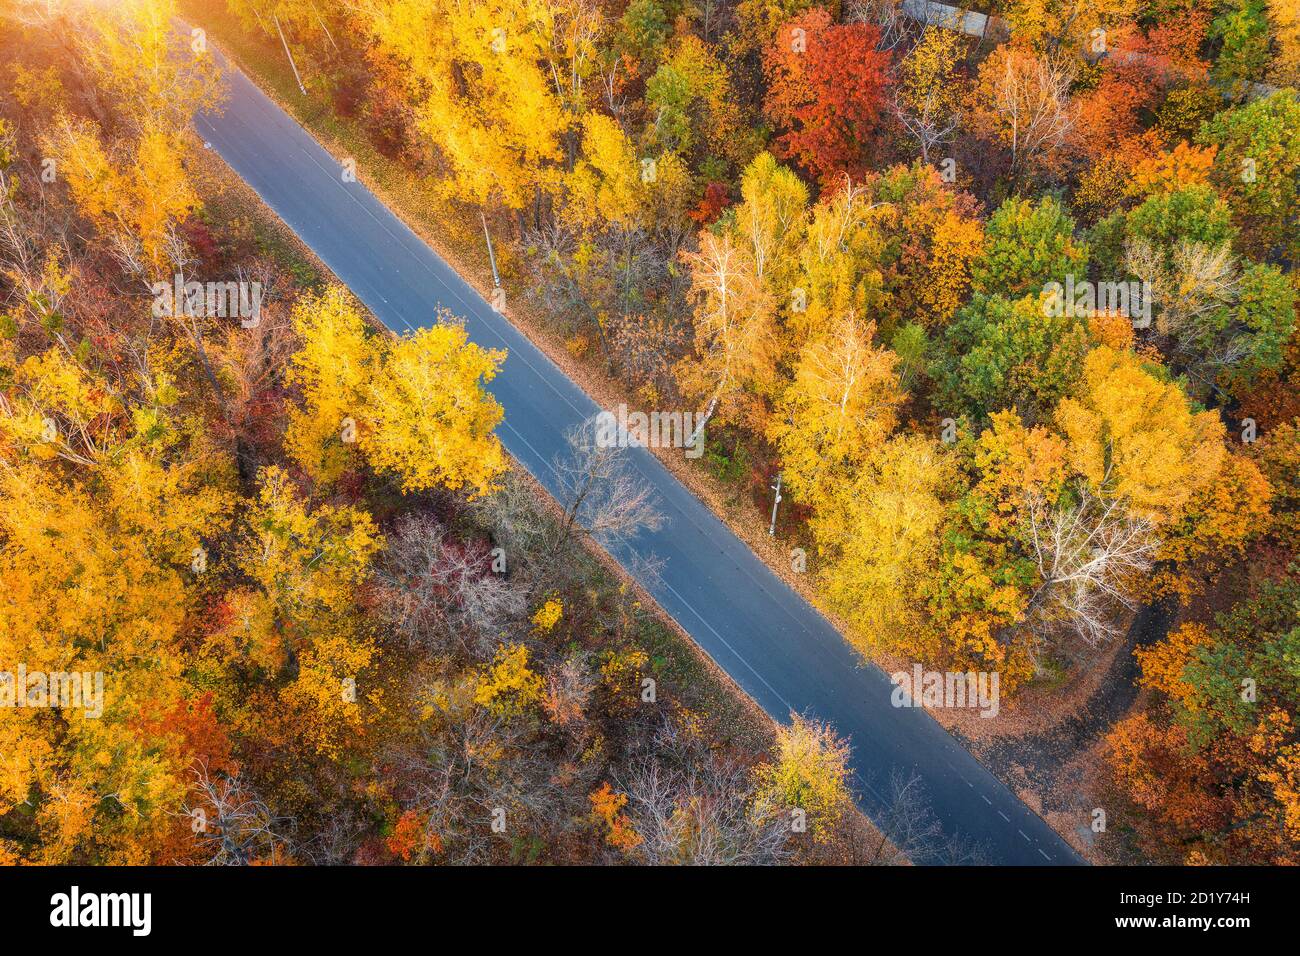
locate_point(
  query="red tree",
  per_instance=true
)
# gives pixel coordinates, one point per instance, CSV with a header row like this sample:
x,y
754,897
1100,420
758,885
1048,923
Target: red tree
x,y
826,85
713,203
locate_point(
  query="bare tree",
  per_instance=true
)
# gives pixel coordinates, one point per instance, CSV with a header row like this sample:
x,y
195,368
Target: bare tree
x,y
231,821
1031,109
600,491
885,15
924,122
569,687
339,838
1194,285
700,813
1086,554
517,522
433,586
927,95
908,831
1190,283
472,769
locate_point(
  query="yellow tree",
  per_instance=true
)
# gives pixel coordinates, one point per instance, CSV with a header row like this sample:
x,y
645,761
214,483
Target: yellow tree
x,y
136,193
931,235
1134,436
808,775
155,76
1284,23
879,538
335,360
735,333
928,97
306,562
605,187
499,85
1068,25
841,405
770,221
430,421
109,499
129,176
415,407
840,263
508,687
307,566
1220,518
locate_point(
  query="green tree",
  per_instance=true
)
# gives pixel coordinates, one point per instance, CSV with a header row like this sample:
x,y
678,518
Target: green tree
x,y
1028,244
1021,354
1257,168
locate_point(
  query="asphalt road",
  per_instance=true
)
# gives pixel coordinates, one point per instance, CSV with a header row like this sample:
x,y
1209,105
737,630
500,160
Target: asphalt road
x,y
773,644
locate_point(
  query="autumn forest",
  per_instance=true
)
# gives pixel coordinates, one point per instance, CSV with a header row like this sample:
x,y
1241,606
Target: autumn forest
x,y
988,329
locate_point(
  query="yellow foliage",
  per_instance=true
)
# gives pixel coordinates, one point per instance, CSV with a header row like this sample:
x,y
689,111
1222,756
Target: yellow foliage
x,y
841,405
809,773
928,82
1163,663
1111,328
330,368
507,687
415,406
1134,436
1284,23
735,331
305,562
431,420
325,693
1067,24
621,672
1016,463
1222,515
879,536
547,616
1171,171
486,79
137,193
605,186
943,286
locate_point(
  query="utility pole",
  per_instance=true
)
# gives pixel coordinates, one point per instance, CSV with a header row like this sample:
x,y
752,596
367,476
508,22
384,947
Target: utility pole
x,y
289,55
496,279
771,528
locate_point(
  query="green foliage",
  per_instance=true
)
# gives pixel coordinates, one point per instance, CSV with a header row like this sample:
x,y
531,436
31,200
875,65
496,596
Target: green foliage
x,y
1266,313
1194,214
646,25
1242,30
1257,641
1028,244
1258,166
999,353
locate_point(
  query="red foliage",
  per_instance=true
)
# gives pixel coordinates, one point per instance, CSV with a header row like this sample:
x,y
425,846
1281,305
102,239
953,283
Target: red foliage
x,y
1136,78
716,198
190,729
1275,397
826,89
202,244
